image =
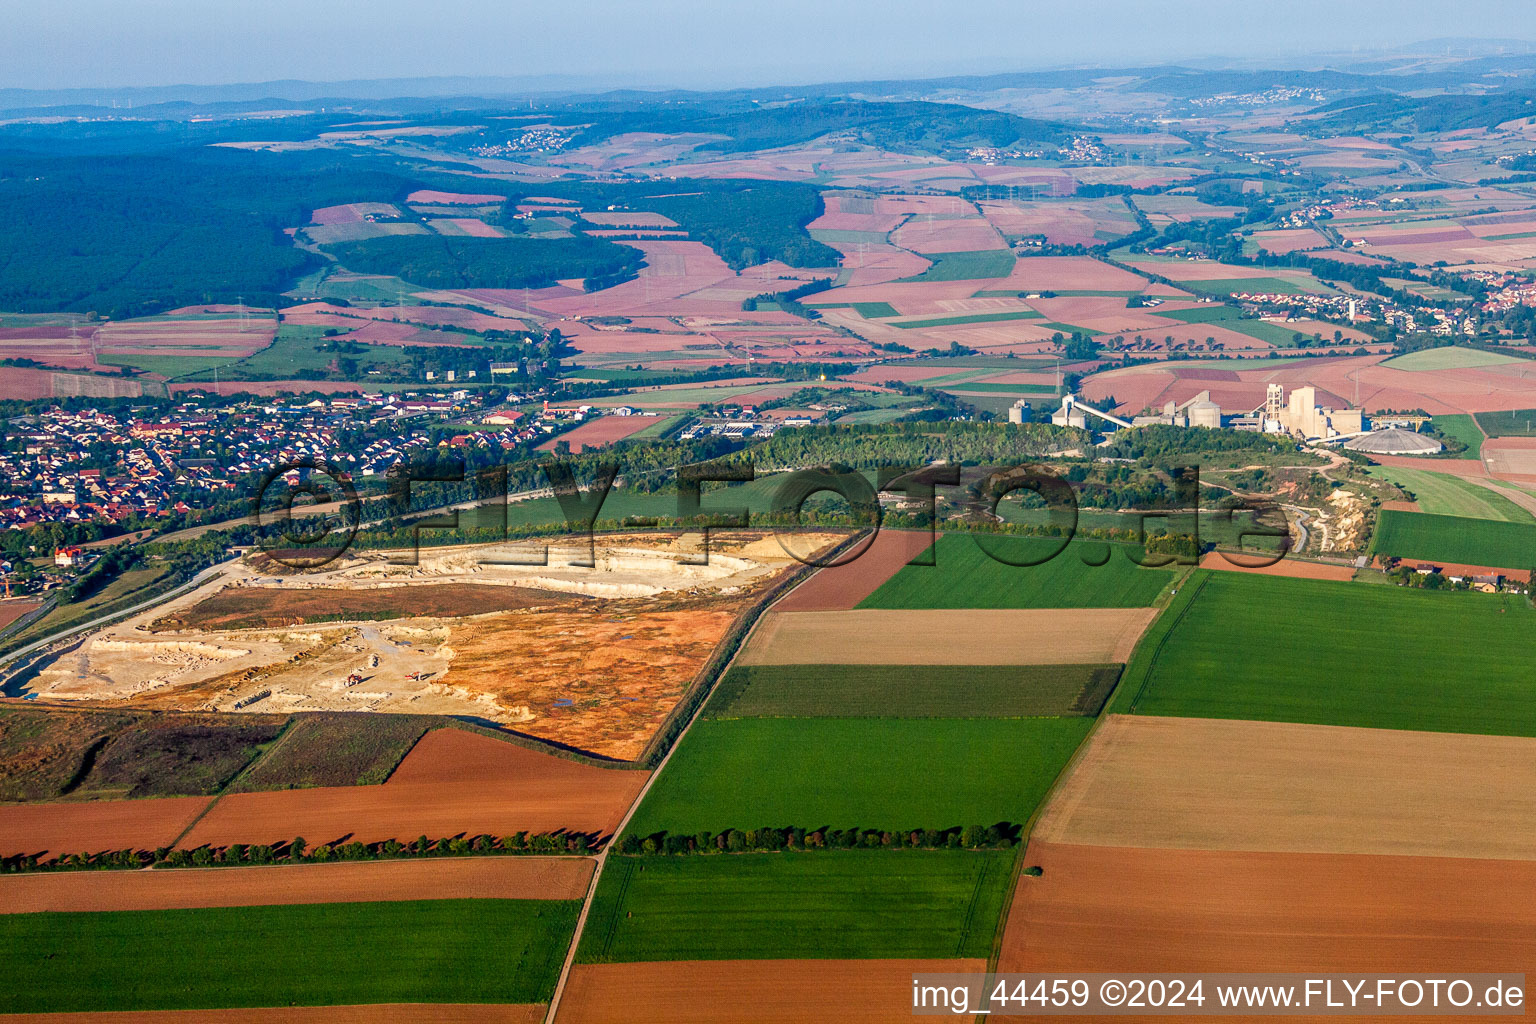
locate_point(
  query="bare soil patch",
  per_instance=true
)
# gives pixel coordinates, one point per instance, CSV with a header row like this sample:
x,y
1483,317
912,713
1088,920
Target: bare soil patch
x,y
1069,636
1188,783
1129,909
748,991
270,607
469,878
842,587
1293,567
59,828
453,782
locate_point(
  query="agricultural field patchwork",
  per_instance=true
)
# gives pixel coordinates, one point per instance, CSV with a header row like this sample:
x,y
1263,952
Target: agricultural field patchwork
x,y
501,951
1480,542
828,903
911,691
886,773
1234,645
966,575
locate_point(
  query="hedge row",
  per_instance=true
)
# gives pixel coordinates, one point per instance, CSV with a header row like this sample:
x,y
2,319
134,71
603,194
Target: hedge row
x,y
968,837
297,851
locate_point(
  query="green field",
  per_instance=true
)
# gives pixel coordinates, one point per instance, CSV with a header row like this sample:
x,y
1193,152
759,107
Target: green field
x,y
433,951
1267,648
1002,389
1512,423
1207,314
911,691
1231,286
295,353
1449,357
1464,429
966,266
867,310
867,772
965,576
1421,535
973,318
1447,495
814,904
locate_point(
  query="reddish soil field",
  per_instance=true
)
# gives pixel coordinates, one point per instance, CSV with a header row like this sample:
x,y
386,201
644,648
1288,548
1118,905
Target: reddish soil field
x,y
451,782
1129,909
673,270
601,432
960,235
1400,506
469,878
1291,240
10,611
378,1013
266,607
1293,567
749,991
876,264
93,827
1337,379
453,198
842,587
1072,273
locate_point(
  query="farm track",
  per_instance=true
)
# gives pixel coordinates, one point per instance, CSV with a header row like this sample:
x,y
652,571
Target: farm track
x,y
505,877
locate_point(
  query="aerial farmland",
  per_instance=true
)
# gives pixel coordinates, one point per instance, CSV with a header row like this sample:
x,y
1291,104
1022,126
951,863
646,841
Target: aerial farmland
x,y
616,545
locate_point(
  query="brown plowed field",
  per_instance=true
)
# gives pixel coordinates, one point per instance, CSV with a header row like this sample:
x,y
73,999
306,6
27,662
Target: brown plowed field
x,y
600,433
1294,567
468,878
96,826
1215,784
748,991
452,782
10,611
378,1013
1036,636
267,607
1127,909
842,587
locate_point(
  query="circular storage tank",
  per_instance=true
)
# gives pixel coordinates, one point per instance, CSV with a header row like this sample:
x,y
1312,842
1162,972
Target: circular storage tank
x,y
1395,441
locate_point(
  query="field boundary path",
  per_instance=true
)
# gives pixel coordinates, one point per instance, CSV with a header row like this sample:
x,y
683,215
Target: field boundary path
x,y
602,856
104,620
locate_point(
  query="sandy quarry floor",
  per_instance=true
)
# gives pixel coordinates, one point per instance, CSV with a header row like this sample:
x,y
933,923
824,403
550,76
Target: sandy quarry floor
x,y
590,656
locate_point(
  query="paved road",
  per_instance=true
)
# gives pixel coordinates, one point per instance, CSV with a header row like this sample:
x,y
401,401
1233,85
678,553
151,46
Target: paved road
x,y
101,620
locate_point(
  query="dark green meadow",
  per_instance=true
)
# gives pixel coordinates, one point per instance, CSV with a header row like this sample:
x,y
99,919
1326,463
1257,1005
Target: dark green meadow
x,y
1288,650
432,951
911,691
967,576
808,904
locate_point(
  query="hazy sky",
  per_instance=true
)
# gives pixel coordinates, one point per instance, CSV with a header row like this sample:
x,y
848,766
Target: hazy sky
x,y
693,43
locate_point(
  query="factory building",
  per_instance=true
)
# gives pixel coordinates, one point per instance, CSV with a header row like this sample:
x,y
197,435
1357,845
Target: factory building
x,y
1304,418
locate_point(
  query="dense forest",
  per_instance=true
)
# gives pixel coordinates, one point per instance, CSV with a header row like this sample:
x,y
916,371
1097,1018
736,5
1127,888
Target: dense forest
x,y
745,222
439,261
131,234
